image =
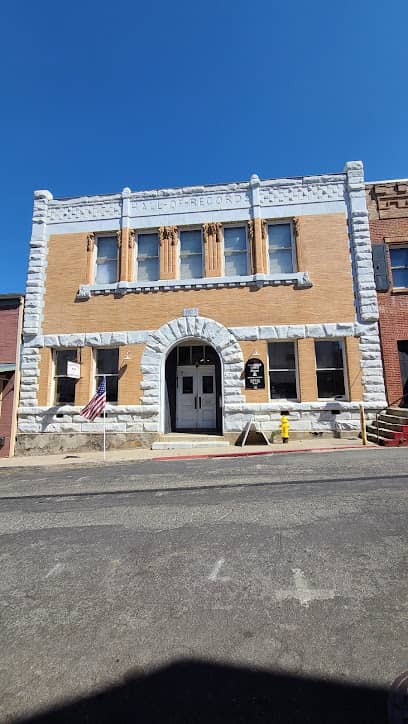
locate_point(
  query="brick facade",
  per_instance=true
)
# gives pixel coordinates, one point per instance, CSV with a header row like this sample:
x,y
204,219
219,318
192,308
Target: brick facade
x,y
11,310
328,294
387,204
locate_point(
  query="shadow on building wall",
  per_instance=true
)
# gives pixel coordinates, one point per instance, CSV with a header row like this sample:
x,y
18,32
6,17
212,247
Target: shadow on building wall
x,y
196,692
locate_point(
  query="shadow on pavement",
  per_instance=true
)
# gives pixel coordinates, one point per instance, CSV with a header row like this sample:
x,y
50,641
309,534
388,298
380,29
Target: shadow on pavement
x,y
195,692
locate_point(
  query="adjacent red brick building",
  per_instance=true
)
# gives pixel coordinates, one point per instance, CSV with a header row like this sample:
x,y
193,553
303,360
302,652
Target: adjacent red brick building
x,y
11,316
387,204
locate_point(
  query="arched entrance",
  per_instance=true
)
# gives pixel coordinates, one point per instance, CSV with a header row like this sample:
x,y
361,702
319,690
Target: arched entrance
x,y
195,330
193,392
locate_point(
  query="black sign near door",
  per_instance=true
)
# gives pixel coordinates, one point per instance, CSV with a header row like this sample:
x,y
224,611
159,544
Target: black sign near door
x,y
254,374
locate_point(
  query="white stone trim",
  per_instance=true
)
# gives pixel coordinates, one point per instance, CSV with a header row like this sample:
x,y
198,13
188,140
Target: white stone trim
x,y
164,339
37,265
244,333
362,262
303,416
66,418
300,280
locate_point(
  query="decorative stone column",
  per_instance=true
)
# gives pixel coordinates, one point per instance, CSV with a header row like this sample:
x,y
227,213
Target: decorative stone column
x,y
90,247
298,245
257,234
168,246
131,235
123,237
212,236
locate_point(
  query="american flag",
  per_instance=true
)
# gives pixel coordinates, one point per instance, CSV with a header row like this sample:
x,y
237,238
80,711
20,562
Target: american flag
x,y
97,404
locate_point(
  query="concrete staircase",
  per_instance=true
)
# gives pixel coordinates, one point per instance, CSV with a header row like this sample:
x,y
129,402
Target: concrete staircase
x,y
392,428
189,441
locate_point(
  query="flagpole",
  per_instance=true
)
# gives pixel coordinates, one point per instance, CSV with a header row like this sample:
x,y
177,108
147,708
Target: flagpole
x,y
104,427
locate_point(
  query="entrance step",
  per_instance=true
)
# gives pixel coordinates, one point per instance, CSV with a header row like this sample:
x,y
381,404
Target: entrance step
x,y
392,428
187,444
184,441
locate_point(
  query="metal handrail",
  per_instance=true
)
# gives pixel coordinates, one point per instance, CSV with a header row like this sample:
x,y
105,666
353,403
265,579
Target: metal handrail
x,y
383,410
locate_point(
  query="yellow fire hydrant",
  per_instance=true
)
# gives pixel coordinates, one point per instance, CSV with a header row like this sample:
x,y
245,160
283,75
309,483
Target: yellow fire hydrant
x,y
284,426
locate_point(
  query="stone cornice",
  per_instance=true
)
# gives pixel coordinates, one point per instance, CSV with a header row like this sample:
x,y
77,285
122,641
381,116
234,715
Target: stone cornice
x,y
283,191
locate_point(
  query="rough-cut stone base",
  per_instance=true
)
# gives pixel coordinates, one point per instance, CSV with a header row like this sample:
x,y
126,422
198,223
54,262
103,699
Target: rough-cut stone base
x,y
53,443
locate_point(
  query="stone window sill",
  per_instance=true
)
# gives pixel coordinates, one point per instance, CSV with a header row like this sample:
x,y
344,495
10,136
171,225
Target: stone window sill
x,y
399,290
300,280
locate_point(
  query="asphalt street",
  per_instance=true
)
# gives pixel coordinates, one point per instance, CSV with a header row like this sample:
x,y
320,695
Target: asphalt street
x,y
267,589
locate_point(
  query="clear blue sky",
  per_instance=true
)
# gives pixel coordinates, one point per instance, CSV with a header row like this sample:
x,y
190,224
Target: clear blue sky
x,y
97,96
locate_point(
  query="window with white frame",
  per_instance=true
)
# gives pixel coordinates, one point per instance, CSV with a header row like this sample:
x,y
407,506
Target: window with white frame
x,y
147,261
107,365
330,369
191,254
399,266
64,386
235,251
280,248
282,370
106,271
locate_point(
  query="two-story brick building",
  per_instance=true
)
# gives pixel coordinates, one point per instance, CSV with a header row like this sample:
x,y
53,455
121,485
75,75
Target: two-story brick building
x,y
387,203
204,307
11,323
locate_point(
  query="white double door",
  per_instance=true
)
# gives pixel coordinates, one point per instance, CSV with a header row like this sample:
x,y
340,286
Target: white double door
x,y
196,398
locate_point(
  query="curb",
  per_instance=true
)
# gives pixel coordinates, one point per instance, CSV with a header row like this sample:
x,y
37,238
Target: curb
x,y
251,453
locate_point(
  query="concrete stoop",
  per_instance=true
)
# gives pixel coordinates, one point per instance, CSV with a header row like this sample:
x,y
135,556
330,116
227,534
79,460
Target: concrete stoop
x,y
392,428
187,441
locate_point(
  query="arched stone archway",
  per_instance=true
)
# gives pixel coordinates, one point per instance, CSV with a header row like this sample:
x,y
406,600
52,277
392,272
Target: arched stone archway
x,y
162,341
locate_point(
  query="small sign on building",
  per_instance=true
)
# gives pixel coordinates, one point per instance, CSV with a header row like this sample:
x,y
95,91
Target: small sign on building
x,y
254,374
73,370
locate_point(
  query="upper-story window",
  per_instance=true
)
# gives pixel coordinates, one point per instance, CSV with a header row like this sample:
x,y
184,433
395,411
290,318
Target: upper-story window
x,y
235,251
399,266
280,248
191,254
106,271
147,259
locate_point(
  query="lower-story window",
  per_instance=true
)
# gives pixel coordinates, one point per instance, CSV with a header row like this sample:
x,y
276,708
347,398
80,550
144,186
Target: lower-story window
x,y
330,369
107,365
282,370
64,386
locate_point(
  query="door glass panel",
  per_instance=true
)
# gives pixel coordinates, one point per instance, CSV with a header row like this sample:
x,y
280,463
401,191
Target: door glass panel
x,y
187,385
208,384
197,354
184,355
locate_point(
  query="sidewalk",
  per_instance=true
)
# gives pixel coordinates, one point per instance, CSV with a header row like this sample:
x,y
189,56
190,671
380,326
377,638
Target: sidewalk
x,y
142,454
